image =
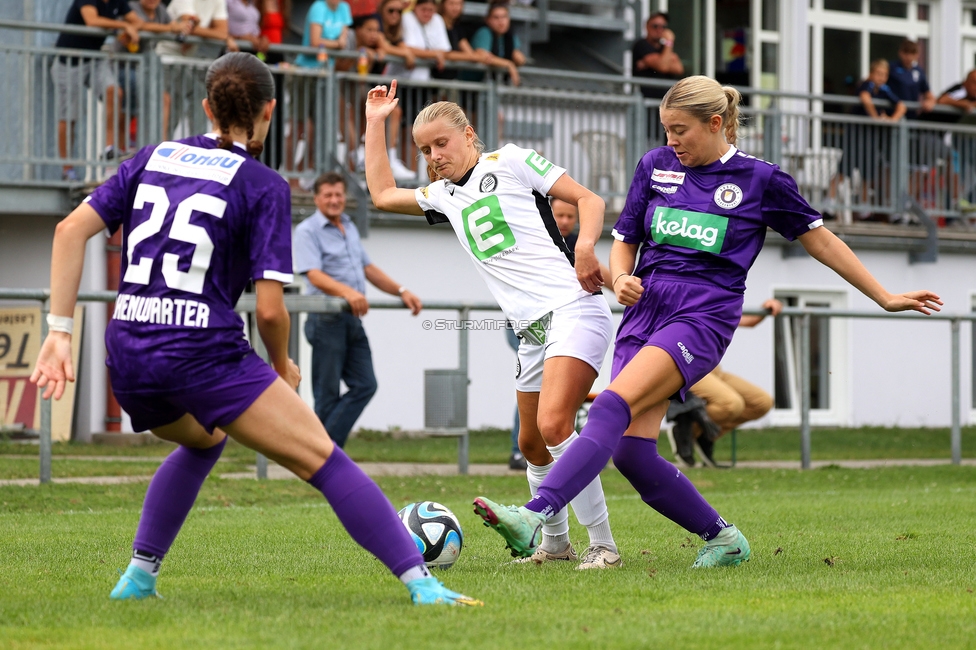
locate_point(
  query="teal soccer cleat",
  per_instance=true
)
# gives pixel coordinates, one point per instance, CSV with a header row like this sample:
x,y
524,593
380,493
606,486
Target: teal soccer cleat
x,y
431,591
521,528
732,554
135,584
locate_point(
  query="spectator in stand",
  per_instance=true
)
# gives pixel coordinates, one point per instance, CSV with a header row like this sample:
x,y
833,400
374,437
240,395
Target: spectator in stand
x,y
497,41
244,24
202,18
69,74
154,18
876,87
425,34
866,147
326,28
654,56
275,15
366,37
391,22
963,97
907,79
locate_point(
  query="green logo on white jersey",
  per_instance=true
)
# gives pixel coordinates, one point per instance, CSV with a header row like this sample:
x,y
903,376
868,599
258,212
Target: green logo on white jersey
x,y
698,230
488,232
538,163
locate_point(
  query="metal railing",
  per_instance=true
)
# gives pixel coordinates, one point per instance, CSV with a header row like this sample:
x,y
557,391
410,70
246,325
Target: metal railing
x,y
845,164
323,304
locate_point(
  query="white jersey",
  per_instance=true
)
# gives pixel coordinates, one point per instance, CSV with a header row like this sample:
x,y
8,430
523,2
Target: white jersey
x,y
502,217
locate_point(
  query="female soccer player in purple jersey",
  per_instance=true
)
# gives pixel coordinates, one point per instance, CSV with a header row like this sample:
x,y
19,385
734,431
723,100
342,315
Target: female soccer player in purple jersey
x,y
694,222
496,204
201,218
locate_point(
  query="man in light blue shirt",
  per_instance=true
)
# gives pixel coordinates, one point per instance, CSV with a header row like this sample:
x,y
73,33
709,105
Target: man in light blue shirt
x,y
329,253
326,25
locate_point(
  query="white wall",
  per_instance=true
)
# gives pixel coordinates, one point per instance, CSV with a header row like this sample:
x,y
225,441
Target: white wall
x,y
898,373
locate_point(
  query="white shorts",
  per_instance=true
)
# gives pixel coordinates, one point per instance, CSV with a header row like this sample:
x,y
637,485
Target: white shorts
x,y
582,330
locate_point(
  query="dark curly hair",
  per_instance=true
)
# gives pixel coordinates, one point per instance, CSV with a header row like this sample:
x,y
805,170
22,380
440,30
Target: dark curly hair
x,y
238,87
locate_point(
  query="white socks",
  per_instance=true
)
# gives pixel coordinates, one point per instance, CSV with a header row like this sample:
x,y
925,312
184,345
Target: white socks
x,y
590,507
555,532
417,572
727,535
147,562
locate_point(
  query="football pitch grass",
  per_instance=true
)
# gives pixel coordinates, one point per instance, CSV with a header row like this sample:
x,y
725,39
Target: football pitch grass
x,y
840,558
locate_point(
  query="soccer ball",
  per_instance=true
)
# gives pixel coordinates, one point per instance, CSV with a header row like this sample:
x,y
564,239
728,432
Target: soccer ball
x,y
436,532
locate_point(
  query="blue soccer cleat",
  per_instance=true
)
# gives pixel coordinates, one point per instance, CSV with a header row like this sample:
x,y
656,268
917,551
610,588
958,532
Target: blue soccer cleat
x,y
431,591
135,584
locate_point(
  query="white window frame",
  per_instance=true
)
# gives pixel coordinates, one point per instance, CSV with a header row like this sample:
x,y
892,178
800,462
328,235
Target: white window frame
x,y
839,359
866,24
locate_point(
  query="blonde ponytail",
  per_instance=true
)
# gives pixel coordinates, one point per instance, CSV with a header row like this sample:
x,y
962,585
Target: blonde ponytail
x,y
702,97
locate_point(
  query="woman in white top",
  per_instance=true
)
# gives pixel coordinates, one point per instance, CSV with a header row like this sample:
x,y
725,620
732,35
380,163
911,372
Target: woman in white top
x,y
496,203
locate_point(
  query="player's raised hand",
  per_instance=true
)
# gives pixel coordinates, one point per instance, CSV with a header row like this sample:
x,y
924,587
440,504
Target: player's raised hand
x,y
923,301
53,369
380,102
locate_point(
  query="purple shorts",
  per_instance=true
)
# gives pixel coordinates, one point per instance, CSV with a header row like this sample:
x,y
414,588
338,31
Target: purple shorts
x,y
234,385
692,322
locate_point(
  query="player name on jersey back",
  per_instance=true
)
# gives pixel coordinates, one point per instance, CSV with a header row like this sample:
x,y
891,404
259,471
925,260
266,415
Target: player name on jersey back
x,y
177,159
161,311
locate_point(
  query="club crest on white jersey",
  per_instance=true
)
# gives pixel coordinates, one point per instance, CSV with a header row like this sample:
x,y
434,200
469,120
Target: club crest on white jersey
x,y
178,159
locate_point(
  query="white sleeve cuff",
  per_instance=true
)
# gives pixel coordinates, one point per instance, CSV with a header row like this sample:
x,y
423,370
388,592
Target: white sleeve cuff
x,y
617,235
815,224
284,278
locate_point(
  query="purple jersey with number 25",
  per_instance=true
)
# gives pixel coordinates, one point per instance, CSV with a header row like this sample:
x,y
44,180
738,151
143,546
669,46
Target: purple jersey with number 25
x,y
198,222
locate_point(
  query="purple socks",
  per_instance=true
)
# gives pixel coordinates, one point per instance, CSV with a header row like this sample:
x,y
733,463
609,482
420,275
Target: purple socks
x,y
609,417
663,487
172,492
366,513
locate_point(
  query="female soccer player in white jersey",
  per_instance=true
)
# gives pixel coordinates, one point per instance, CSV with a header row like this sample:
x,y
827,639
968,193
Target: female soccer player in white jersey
x,y
179,362
694,222
497,204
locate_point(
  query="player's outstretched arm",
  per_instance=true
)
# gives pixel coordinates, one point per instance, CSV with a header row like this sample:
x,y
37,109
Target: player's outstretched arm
x,y
379,177
53,368
826,248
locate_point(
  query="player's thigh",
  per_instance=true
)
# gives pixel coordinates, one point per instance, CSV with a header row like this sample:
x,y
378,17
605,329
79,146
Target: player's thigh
x,y
649,378
188,432
282,427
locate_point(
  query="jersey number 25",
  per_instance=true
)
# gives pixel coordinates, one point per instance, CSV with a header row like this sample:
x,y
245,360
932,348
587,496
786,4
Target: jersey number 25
x,y
192,280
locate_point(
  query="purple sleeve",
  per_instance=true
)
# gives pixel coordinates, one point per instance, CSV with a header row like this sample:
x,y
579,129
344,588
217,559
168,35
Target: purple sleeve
x,y
109,198
784,210
630,225
271,235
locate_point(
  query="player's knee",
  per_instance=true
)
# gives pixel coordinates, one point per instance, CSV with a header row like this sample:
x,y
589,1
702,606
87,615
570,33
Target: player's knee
x,y
555,428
